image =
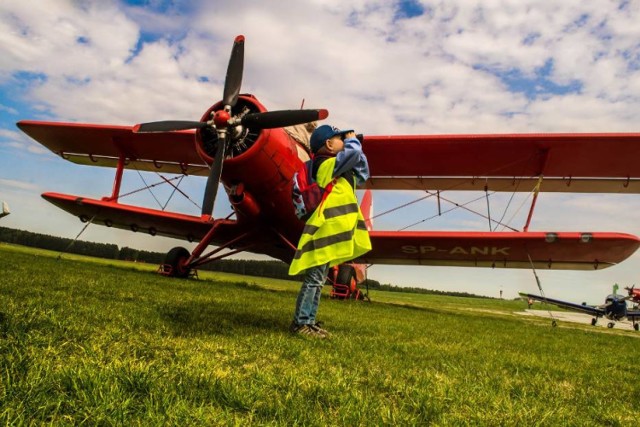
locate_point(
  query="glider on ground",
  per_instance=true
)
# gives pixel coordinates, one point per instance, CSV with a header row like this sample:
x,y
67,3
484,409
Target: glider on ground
x,y
245,147
614,309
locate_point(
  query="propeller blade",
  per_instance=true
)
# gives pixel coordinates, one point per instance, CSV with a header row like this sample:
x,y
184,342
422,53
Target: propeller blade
x,y
168,126
282,118
233,80
211,189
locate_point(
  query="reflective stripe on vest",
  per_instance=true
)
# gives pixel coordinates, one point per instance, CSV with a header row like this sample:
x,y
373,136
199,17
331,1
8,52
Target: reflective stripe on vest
x,y
336,231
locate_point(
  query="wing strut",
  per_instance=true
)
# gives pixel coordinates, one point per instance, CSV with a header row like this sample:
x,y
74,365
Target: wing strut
x,y
486,193
537,188
118,179
536,191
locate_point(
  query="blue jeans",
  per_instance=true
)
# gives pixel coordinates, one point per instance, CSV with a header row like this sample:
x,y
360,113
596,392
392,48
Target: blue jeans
x,y
309,296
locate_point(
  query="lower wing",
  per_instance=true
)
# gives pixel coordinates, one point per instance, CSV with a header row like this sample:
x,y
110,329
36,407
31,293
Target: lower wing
x,y
570,250
228,233
576,251
633,315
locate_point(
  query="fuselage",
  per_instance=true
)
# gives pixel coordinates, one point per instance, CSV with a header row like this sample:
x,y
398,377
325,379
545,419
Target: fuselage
x,y
616,307
258,171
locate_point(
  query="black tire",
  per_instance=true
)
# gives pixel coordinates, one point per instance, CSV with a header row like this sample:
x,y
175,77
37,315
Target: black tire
x,y
345,274
175,258
636,326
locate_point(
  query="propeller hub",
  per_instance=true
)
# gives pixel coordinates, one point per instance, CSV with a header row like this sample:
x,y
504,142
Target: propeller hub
x,y
221,119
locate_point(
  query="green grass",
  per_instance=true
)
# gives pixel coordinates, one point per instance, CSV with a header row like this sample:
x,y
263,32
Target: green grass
x,y
103,342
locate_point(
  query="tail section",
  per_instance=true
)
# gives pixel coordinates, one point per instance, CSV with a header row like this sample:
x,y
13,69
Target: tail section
x,y
5,209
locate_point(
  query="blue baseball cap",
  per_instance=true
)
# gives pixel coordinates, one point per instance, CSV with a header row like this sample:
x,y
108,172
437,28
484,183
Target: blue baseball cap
x,y
322,133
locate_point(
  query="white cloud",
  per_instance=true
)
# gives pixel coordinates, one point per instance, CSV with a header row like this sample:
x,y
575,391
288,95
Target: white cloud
x,y
18,185
19,141
373,72
65,38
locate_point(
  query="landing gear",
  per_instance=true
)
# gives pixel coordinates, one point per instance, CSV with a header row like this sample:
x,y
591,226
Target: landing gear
x,y
636,326
554,323
594,321
174,263
345,283
346,274
610,325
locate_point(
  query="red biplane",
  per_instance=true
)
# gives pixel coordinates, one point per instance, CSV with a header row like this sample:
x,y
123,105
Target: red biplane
x,y
239,143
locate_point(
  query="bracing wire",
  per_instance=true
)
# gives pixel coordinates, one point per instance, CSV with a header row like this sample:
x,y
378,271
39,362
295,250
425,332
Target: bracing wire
x,y
521,205
77,237
90,221
149,188
535,274
486,192
456,206
513,193
524,160
164,181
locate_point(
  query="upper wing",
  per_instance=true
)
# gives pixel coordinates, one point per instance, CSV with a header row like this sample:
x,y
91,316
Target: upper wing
x,y
102,145
571,306
571,250
568,162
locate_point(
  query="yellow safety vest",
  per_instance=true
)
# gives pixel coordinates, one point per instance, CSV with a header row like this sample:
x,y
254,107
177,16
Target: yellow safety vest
x,y
336,231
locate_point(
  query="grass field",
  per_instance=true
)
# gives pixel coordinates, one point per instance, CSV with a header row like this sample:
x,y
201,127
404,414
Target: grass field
x,y
106,342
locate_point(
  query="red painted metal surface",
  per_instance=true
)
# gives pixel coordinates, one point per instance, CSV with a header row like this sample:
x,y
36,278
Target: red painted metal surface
x,y
571,250
259,182
169,224
575,155
114,141
561,250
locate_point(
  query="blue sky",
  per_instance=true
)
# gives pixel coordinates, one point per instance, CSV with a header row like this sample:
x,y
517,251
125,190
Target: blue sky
x,y
381,67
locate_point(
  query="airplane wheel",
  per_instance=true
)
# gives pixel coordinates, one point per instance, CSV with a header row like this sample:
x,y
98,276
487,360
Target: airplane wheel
x,y
636,326
554,323
593,322
610,325
176,258
345,274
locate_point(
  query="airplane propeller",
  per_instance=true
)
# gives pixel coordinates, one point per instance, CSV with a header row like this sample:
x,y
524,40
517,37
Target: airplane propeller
x,y
222,120
168,126
257,121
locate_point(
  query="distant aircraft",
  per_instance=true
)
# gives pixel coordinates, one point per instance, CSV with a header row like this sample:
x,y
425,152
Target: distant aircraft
x,y
260,159
5,210
634,294
614,308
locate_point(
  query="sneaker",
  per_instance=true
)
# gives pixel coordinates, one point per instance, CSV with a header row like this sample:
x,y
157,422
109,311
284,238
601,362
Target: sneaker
x,y
316,327
309,330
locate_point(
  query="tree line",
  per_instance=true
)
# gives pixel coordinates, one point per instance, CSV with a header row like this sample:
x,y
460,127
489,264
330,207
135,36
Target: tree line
x,y
271,269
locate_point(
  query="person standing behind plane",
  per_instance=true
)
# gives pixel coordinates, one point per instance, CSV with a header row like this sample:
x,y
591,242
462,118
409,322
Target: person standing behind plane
x,y
335,232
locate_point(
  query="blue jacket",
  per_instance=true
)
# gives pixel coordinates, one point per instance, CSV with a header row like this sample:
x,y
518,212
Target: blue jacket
x,y
352,158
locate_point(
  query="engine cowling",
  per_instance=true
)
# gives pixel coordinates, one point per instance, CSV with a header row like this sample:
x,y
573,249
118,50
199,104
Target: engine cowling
x,y
242,138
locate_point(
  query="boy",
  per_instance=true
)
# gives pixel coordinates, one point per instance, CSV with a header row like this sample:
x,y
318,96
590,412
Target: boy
x,y
335,232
